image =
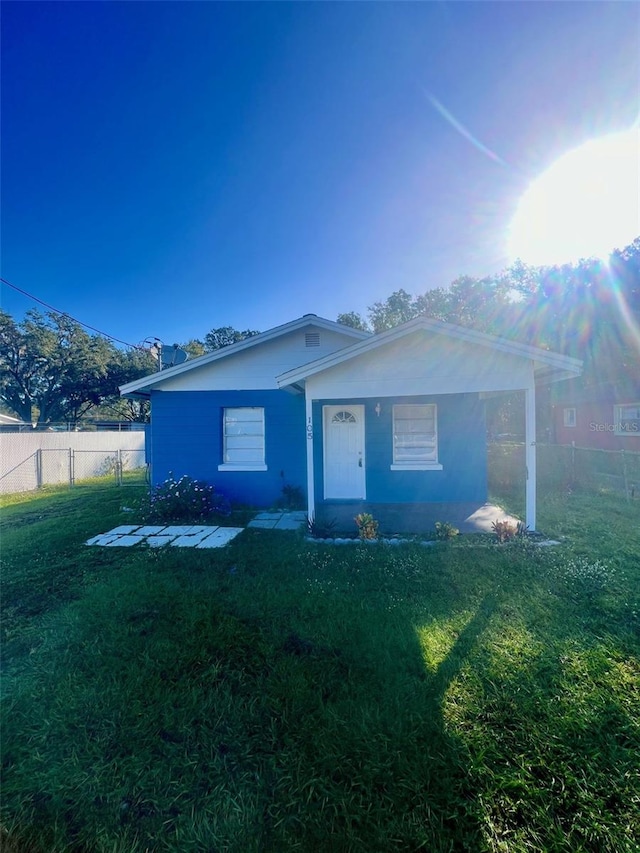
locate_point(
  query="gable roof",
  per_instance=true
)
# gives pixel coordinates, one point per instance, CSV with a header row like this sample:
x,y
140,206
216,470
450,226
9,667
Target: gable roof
x,y
141,387
548,366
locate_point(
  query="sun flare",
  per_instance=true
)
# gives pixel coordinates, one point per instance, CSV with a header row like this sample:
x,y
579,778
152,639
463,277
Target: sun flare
x,y
585,205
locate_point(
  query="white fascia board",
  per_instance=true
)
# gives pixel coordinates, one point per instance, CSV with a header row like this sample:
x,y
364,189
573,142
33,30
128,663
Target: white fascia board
x,y
568,366
144,385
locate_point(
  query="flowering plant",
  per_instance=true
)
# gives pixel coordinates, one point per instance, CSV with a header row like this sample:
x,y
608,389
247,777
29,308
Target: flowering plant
x,y
587,577
184,500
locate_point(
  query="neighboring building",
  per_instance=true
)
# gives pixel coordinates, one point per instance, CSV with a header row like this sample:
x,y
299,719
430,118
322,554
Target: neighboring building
x,y
347,416
604,416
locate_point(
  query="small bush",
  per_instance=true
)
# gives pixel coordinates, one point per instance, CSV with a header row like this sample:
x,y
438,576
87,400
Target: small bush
x,y
292,497
367,526
504,530
184,500
445,531
321,527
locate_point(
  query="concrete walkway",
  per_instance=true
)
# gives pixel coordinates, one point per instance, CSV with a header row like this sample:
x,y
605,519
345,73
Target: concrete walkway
x,y
394,519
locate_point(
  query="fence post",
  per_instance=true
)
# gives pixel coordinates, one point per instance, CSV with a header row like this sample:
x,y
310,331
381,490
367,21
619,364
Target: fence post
x,y
118,467
71,477
624,476
39,468
573,464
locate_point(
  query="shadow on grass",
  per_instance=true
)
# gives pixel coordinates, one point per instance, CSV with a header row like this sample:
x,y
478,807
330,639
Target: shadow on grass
x,y
275,696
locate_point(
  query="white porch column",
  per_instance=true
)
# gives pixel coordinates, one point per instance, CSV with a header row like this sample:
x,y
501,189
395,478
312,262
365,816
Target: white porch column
x,y
311,503
530,453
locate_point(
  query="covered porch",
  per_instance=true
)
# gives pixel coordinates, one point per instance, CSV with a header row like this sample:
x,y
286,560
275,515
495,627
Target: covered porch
x,y
395,425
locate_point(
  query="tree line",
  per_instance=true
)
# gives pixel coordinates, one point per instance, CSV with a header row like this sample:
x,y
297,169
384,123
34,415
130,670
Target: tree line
x,y
52,370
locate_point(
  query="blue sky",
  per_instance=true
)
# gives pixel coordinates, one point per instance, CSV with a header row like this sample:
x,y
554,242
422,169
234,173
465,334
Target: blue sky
x,y
172,167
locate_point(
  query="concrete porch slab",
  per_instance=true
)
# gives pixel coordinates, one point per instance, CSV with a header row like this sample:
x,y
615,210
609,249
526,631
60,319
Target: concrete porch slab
x,y
416,518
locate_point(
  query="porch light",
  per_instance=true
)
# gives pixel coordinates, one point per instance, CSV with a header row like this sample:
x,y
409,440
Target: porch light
x,y
378,409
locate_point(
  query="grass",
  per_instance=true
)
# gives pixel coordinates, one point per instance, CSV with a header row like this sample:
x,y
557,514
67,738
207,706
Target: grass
x,y
279,695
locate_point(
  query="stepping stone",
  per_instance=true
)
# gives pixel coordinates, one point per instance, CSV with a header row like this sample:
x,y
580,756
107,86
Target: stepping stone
x,y
190,540
264,516
159,541
221,537
179,529
124,528
288,523
150,530
102,539
124,541
268,523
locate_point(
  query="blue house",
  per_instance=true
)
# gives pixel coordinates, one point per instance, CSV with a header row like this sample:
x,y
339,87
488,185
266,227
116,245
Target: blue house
x,y
347,416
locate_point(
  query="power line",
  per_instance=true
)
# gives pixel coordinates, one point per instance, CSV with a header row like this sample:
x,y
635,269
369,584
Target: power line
x,y
65,314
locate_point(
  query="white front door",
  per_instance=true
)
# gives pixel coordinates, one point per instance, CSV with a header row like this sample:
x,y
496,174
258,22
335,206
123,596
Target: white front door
x,y
344,471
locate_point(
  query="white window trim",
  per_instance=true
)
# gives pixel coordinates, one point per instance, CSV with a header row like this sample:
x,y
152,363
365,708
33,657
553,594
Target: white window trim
x,y
243,466
235,466
566,418
617,419
416,466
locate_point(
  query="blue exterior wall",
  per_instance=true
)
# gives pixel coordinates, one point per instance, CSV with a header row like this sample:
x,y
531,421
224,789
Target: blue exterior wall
x,y
462,452
186,438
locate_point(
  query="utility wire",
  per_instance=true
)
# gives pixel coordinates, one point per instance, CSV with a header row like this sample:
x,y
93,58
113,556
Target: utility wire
x,y
64,314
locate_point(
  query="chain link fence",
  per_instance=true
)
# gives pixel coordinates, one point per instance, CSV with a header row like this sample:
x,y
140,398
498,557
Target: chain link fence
x,y
27,464
567,468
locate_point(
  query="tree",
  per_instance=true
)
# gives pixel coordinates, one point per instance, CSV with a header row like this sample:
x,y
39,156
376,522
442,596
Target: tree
x,y
224,336
476,302
128,366
353,320
396,309
195,347
50,368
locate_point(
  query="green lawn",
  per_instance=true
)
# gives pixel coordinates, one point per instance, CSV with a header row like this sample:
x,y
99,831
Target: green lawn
x,y
279,695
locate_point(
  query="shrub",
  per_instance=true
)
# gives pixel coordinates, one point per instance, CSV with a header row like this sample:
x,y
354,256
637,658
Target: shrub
x,y
184,500
321,527
367,526
504,530
445,531
292,497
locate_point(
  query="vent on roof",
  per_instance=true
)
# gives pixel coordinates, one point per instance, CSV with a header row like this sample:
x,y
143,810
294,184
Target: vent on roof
x,y
312,339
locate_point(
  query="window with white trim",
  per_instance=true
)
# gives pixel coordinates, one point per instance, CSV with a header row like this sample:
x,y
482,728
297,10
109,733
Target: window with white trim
x,y
569,417
243,439
626,419
415,437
